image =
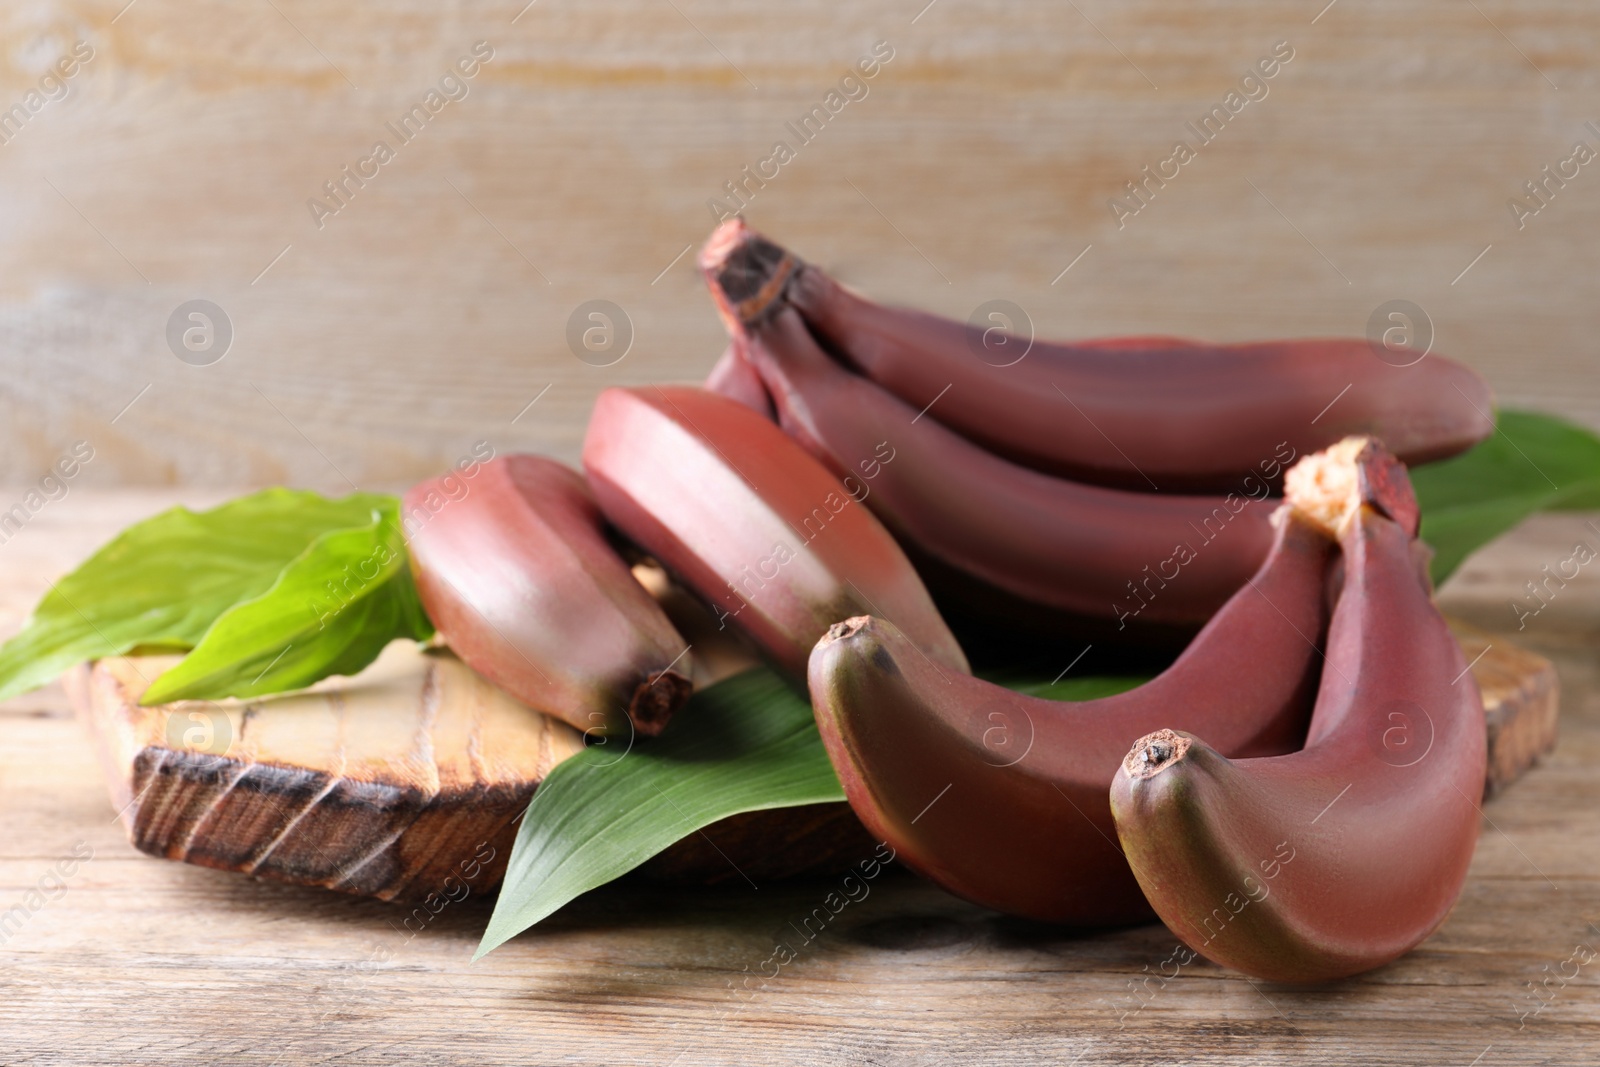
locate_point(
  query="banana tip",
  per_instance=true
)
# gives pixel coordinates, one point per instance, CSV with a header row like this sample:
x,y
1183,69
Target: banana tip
x,y
655,701
839,631
1154,753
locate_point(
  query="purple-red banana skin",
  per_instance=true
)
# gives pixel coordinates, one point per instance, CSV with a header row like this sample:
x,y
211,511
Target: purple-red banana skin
x,y
1158,558
1184,415
521,583
734,378
1001,798
748,521
1341,857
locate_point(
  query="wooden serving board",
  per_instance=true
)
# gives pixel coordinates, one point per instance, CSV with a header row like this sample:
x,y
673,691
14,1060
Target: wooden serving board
x,y
414,771
1521,697
383,784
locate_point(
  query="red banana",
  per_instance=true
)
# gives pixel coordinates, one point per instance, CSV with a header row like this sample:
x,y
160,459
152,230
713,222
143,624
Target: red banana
x,y
1153,558
734,378
515,571
1136,412
1001,798
1338,858
748,521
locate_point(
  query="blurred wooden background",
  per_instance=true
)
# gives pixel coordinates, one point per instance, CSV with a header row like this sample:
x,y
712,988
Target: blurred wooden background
x,y
433,308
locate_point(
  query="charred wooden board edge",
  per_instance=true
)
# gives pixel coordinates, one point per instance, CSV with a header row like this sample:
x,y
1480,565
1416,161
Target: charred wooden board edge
x,y
182,788
363,834
304,825
399,843
1521,700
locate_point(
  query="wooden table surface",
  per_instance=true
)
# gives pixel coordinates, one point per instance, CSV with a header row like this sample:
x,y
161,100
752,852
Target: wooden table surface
x,y
125,959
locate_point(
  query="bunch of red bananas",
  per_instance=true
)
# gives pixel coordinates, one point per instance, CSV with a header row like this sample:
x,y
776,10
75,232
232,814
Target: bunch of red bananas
x,y
843,454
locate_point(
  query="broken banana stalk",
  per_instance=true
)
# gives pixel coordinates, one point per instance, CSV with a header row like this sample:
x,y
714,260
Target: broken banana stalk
x,y
1129,412
1001,798
516,573
743,517
1339,858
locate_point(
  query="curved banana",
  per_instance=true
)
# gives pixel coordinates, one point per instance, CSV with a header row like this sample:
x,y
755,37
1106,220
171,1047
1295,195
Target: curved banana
x,y
515,571
751,523
1001,797
1151,559
1343,856
1135,412
734,378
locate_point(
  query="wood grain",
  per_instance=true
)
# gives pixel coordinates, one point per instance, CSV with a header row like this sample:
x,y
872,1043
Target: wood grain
x,y
390,784
397,781
400,783
141,962
430,311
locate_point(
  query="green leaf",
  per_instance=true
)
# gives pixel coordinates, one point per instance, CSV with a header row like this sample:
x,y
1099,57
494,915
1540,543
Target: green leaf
x,y
331,611
745,744
1532,463
165,580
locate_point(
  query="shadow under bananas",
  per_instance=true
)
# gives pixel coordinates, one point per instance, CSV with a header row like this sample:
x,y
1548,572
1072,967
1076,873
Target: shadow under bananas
x,y
1002,633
